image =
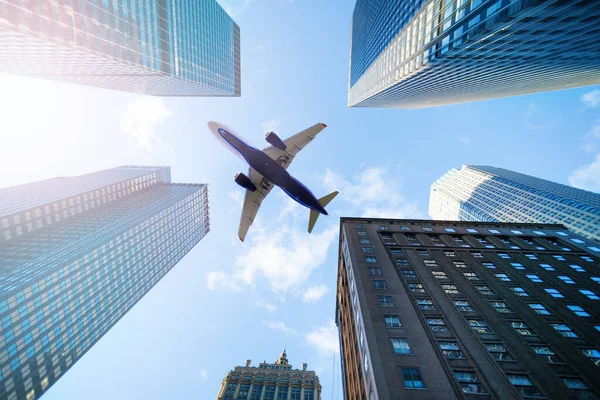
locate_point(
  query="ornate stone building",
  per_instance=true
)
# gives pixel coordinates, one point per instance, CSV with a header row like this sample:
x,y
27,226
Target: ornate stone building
x,y
278,381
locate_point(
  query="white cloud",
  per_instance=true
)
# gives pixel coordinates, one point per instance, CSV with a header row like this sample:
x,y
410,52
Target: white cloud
x,y
591,99
260,47
235,8
588,176
374,193
271,125
537,118
314,293
220,280
140,118
235,199
281,326
203,376
284,257
324,338
271,308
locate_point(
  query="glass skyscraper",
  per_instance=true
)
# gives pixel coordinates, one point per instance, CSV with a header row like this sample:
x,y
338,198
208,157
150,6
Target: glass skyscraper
x,y
484,193
423,53
156,47
76,254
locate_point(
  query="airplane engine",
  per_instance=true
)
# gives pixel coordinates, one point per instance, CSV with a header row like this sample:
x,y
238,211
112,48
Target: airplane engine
x,y
274,140
244,182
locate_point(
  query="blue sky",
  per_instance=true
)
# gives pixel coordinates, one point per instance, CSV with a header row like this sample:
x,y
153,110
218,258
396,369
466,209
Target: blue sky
x,y
227,301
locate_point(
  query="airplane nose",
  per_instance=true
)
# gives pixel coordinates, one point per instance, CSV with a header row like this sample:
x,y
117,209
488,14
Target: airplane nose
x,y
212,125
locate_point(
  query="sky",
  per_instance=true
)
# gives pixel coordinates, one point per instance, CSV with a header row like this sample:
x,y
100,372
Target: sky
x,y
228,301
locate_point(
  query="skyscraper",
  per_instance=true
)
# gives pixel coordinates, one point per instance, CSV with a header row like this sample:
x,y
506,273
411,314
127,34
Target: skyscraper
x,y
419,53
484,193
447,310
159,47
76,254
277,381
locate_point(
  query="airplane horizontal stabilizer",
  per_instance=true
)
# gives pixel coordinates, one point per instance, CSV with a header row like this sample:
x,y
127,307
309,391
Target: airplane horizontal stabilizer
x,y
312,219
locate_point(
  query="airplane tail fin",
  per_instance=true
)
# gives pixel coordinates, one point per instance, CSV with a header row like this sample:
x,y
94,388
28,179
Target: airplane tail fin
x,y
312,220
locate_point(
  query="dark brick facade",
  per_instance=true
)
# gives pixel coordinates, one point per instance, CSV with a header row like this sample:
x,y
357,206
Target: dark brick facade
x,y
474,310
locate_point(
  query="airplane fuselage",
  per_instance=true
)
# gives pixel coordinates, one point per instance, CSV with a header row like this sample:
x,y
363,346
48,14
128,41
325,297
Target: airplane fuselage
x,y
269,169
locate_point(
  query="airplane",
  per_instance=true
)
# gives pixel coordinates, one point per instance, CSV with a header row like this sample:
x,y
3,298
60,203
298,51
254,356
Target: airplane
x,y
268,168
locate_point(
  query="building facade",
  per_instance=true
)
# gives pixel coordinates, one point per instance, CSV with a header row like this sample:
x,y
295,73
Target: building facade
x,y
484,193
76,254
464,310
277,381
156,47
423,53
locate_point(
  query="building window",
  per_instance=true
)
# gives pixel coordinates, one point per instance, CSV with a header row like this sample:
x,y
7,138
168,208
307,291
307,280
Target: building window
x,y
504,255
368,249
477,255
270,392
566,279
498,352
375,271
425,304
524,386
459,264
547,354
362,233
392,321
371,260
539,308
559,257
401,262
380,284
471,230
578,241
282,393
412,378
437,324
472,276
517,265
383,227
587,258
405,228
547,267
521,328
503,277
519,291
534,278
464,305
409,274
295,394
401,346
244,390
450,289
517,232
365,241
416,287
539,233
589,294
489,265
451,230
578,310
500,306
359,226
531,256
257,392
451,350
583,392
423,253
565,330
439,275
385,301
479,326
469,382
450,254
494,231
593,355
430,263
427,229
485,290
554,293
595,278
562,233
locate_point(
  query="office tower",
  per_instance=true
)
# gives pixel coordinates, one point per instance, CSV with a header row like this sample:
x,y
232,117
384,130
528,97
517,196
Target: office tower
x,y
159,47
277,381
484,193
443,310
76,254
418,53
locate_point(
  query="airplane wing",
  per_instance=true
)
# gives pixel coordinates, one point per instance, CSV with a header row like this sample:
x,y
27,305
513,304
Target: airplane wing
x,y
294,145
252,201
